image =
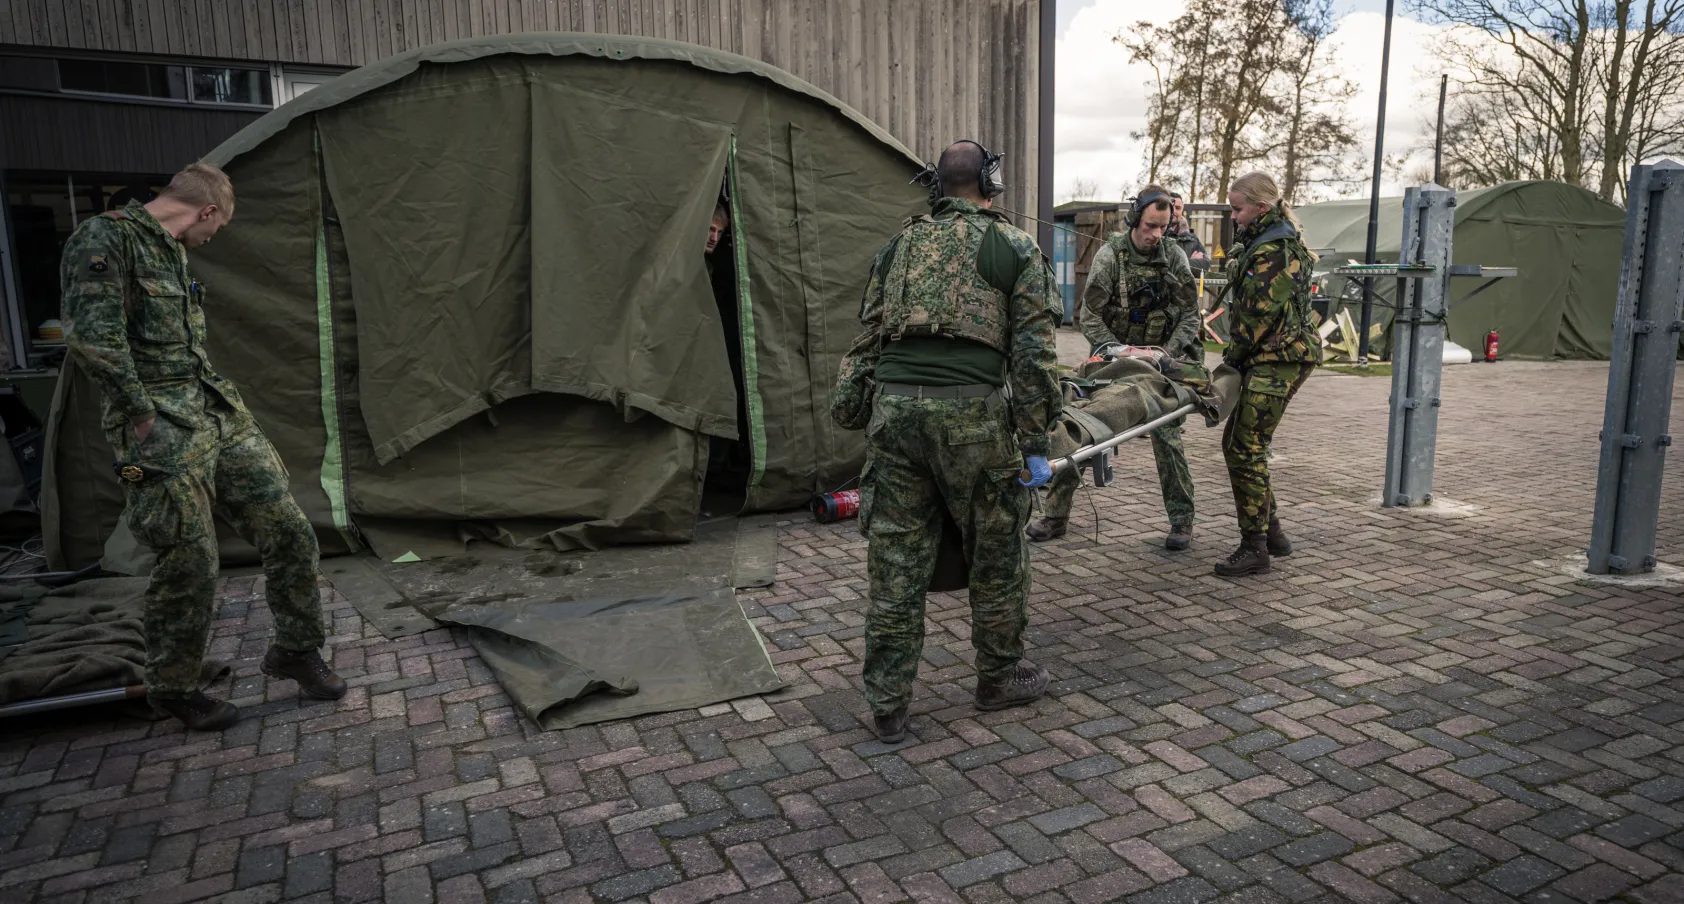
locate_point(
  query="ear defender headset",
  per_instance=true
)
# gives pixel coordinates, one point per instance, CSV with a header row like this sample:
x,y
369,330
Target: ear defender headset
x,y
1132,218
988,179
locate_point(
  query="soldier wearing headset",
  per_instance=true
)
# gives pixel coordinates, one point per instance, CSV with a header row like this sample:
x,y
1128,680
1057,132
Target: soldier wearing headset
x,y
1140,292
955,382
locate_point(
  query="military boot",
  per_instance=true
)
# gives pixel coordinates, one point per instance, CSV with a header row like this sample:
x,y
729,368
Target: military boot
x,y
891,728
1251,558
1027,684
314,678
1280,545
1180,537
198,711
1045,529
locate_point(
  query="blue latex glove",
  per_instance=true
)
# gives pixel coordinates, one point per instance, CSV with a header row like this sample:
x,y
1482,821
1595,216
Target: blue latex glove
x,y
1040,471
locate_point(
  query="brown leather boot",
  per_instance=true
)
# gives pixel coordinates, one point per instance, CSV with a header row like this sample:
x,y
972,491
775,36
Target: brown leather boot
x,y
1027,684
1251,558
198,711
1280,545
314,678
891,728
1180,537
1045,529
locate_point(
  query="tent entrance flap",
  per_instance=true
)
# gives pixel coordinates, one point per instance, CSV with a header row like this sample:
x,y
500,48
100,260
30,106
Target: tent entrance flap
x,y
622,309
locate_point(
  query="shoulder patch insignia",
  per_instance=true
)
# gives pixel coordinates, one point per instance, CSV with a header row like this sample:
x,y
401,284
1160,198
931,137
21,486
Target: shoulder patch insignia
x,y
97,264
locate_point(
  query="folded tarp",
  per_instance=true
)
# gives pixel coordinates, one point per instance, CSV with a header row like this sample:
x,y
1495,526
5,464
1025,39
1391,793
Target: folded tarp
x,y
84,637
576,662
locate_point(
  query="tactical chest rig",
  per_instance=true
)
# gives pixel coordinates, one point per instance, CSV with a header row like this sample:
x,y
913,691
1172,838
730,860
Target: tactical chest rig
x,y
946,279
1142,306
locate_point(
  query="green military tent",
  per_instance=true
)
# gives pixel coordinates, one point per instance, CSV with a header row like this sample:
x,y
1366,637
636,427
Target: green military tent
x,y
1565,240
464,290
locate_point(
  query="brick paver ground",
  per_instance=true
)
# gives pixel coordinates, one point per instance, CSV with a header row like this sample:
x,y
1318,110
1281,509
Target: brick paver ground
x,y
1412,707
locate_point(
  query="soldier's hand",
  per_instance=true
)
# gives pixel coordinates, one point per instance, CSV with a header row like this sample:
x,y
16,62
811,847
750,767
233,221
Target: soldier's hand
x,y
1040,471
143,429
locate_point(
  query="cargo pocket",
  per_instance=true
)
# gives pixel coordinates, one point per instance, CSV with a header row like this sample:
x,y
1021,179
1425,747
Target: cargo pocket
x,y
1007,500
1157,332
155,513
1269,383
160,310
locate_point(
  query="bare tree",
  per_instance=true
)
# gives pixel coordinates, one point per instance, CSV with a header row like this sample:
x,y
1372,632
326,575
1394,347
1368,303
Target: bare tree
x,y
1572,90
1224,89
1318,140
1081,189
1638,64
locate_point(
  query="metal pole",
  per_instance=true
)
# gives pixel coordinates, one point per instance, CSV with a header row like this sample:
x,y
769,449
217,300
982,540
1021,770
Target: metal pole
x,y
1087,452
1429,218
1647,320
67,701
1438,141
1374,193
1044,139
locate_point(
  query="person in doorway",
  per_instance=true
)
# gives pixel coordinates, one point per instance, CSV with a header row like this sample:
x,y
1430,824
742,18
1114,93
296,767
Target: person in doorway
x,y
1182,232
186,446
718,228
959,306
1140,292
1274,345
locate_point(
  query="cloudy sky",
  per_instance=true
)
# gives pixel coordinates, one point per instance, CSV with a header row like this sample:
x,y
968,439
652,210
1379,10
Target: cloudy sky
x,y
1101,97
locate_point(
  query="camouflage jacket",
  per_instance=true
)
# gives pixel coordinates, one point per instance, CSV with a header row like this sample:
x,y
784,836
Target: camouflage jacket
x,y
1141,299
1269,318
942,264
134,318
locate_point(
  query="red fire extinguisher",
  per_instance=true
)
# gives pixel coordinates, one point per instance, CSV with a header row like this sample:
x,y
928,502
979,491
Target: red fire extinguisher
x,y
1491,346
829,507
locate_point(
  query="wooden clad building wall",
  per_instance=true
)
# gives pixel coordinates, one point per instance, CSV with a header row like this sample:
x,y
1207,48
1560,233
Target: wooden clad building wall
x,y
929,71
54,133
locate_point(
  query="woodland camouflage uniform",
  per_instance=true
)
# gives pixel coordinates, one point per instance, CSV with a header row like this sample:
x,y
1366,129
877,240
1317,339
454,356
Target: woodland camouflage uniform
x,y
1275,347
134,319
963,273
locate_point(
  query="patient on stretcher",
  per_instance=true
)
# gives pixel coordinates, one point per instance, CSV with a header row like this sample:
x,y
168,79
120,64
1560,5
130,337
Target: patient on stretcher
x,y
1123,390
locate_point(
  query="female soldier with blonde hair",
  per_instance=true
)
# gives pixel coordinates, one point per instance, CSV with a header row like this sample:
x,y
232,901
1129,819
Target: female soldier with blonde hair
x,y
1274,345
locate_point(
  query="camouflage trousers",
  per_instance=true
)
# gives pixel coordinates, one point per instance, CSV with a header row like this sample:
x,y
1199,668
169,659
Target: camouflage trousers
x,y
1245,441
245,482
925,457
1175,479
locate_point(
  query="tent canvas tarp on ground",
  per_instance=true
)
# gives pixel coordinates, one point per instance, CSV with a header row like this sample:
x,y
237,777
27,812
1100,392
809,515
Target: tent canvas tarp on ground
x,y
465,285
1565,240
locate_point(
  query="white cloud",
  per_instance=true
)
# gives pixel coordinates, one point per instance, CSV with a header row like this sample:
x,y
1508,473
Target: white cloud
x,y
1101,96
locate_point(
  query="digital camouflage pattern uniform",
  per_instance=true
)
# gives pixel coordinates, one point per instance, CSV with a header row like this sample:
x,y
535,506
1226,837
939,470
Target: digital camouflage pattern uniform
x,y
134,318
1137,299
961,272
1274,346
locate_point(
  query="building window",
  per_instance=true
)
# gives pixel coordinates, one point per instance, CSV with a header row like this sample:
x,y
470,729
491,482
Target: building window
x,y
168,81
130,79
225,85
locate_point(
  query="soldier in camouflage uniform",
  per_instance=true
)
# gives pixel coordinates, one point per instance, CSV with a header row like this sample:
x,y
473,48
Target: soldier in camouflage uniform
x,y
1140,291
134,319
1274,345
958,305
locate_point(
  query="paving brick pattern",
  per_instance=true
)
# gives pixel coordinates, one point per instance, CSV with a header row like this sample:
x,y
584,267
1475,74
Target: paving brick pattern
x,y
1408,709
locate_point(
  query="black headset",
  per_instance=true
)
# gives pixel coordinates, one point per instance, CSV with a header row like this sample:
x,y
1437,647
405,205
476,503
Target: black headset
x,y
988,180
1132,218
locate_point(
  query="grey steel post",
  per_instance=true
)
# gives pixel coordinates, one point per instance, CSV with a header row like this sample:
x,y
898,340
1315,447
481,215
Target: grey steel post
x,y
1374,192
1418,346
1646,330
